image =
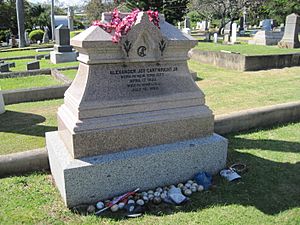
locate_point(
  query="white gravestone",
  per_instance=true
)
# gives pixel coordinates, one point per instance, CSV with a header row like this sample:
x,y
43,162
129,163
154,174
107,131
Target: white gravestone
x,y
233,33
292,28
215,38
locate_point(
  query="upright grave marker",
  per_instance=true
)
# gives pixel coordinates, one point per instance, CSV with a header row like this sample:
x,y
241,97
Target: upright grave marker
x,y
292,28
63,51
2,105
133,116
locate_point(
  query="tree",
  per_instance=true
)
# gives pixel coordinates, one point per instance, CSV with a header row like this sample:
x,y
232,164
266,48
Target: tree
x,y
174,10
95,8
225,10
279,9
21,24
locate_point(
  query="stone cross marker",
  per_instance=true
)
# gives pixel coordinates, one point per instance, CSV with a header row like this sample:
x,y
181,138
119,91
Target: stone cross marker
x,y
63,51
292,28
133,116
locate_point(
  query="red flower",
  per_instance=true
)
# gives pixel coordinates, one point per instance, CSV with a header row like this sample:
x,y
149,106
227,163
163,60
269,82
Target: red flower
x,y
123,26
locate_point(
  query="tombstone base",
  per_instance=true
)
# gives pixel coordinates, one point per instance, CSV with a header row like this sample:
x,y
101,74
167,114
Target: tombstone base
x,y
61,57
288,44
90,179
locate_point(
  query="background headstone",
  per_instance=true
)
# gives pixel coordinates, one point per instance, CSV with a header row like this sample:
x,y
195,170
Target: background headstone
x,y
63,51
70,18
215,38
267,24
27,41
292,28
187,23
233,33
46,35
4,67
2,105
33,65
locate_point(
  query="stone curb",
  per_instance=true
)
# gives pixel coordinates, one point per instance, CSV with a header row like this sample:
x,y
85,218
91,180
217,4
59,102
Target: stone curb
x,y
34,72
257,117
23,162
245,62
34,94
19,57
37,160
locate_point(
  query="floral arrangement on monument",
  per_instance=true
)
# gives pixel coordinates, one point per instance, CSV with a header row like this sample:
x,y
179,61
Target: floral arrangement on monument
x,y
121,26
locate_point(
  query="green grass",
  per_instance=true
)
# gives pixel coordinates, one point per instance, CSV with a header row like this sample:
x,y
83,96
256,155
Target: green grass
x,y
28,82
268,192
70,73
21,53
228,90
23,125
245,48
44,64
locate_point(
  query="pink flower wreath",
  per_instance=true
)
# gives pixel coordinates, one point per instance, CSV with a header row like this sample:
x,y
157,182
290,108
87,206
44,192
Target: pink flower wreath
x,y
122,26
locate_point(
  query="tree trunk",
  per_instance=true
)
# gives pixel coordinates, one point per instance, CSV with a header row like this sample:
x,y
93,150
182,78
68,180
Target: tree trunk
x,y
52,20
21,25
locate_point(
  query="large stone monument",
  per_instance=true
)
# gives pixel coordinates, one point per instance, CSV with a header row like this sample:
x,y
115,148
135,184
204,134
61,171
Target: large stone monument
x,y
292,28
63,51
133,116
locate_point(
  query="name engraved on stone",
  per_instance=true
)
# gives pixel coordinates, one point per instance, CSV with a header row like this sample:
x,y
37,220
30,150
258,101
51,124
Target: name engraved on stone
x,y
143,79
141,51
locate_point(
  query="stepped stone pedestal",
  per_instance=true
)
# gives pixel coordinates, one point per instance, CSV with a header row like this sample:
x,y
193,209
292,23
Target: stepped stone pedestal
x,y
133,116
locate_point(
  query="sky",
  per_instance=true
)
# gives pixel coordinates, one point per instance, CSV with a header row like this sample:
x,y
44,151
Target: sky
x,y
59,2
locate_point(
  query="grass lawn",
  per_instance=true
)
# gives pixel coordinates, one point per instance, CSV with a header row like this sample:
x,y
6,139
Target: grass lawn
x,y
44,64
70,73
245,48
229,90
226,91
21,53
268,192
28,82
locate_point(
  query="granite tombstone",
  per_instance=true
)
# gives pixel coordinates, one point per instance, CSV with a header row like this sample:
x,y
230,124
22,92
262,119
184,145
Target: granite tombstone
x,y
292,28
4,67
33,65
63,51
133,116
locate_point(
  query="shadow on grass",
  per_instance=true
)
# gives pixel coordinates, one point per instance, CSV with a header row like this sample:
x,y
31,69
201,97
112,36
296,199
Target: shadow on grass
x,y
24,123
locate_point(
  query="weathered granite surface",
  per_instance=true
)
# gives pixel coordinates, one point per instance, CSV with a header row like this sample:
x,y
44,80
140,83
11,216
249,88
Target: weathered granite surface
x,y
91,179
133,111
131,99
291,32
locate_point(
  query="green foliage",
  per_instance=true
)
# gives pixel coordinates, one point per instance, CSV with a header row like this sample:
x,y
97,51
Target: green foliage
x,y
36,35
4,34
279,9
174,10
95,8
194,18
